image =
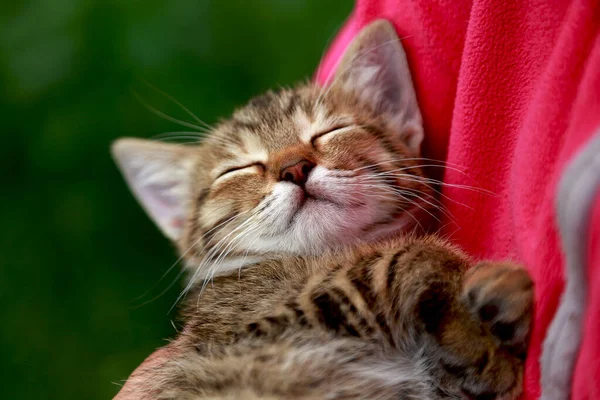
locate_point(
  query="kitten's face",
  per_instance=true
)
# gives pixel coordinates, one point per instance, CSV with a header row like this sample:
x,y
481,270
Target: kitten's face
x,y
296,175
298,171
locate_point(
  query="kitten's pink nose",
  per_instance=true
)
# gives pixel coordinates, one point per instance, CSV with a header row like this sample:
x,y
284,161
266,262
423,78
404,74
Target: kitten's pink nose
x,y
297,173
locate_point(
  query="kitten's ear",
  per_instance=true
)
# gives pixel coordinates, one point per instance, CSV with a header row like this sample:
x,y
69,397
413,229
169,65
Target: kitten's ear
x,y
159,175
374,66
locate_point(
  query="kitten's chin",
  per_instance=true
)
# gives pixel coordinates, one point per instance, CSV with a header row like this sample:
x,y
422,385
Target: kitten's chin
x,y
319,225
341,235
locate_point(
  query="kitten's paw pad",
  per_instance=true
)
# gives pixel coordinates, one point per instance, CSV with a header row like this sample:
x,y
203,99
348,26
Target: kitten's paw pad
x,y
501,296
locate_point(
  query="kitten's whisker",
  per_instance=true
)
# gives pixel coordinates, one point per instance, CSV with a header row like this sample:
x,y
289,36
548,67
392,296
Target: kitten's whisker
x,y
192,279
416,179
437,207
207,258
183,254
441,164
394,196
162,293
421,166
394,161
234,244
403,195
429,180
229,248
246,256
210,256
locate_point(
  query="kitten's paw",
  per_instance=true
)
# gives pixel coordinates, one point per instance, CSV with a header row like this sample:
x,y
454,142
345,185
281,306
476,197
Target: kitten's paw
x,y
501,296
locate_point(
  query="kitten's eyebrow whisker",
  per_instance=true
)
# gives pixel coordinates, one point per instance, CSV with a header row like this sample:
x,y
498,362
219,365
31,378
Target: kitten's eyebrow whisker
x,y
177,102
196,137
182,140
165,116
194,134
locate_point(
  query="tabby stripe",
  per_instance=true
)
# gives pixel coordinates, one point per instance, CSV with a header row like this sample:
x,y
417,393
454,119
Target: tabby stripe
x,y
392,271
347,308
361,279
392,288
329,313
358,321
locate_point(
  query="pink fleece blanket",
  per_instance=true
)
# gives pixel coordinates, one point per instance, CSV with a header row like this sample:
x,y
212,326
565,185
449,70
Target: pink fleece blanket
x,y
510,93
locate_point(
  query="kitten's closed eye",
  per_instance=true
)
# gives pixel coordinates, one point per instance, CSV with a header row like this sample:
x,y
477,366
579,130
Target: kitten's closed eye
x,y
240,168
336,129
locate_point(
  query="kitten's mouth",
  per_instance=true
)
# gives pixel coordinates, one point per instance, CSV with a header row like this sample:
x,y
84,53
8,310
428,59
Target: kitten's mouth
x,y
306,201
312,196
305,198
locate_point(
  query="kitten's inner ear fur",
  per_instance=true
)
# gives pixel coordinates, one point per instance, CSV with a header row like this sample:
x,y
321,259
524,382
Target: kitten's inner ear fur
x,y
374,67
160,177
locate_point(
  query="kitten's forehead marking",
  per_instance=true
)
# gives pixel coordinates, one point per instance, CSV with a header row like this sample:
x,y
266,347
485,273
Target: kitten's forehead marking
x,y
321,120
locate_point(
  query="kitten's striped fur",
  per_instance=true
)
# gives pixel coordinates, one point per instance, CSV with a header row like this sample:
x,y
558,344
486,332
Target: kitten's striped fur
x,y
402,319
308,192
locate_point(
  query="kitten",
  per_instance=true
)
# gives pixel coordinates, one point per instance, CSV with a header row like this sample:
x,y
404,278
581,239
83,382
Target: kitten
x,y
294,209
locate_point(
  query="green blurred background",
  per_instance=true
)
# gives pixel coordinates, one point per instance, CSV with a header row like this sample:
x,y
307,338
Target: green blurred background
x,y
75,249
